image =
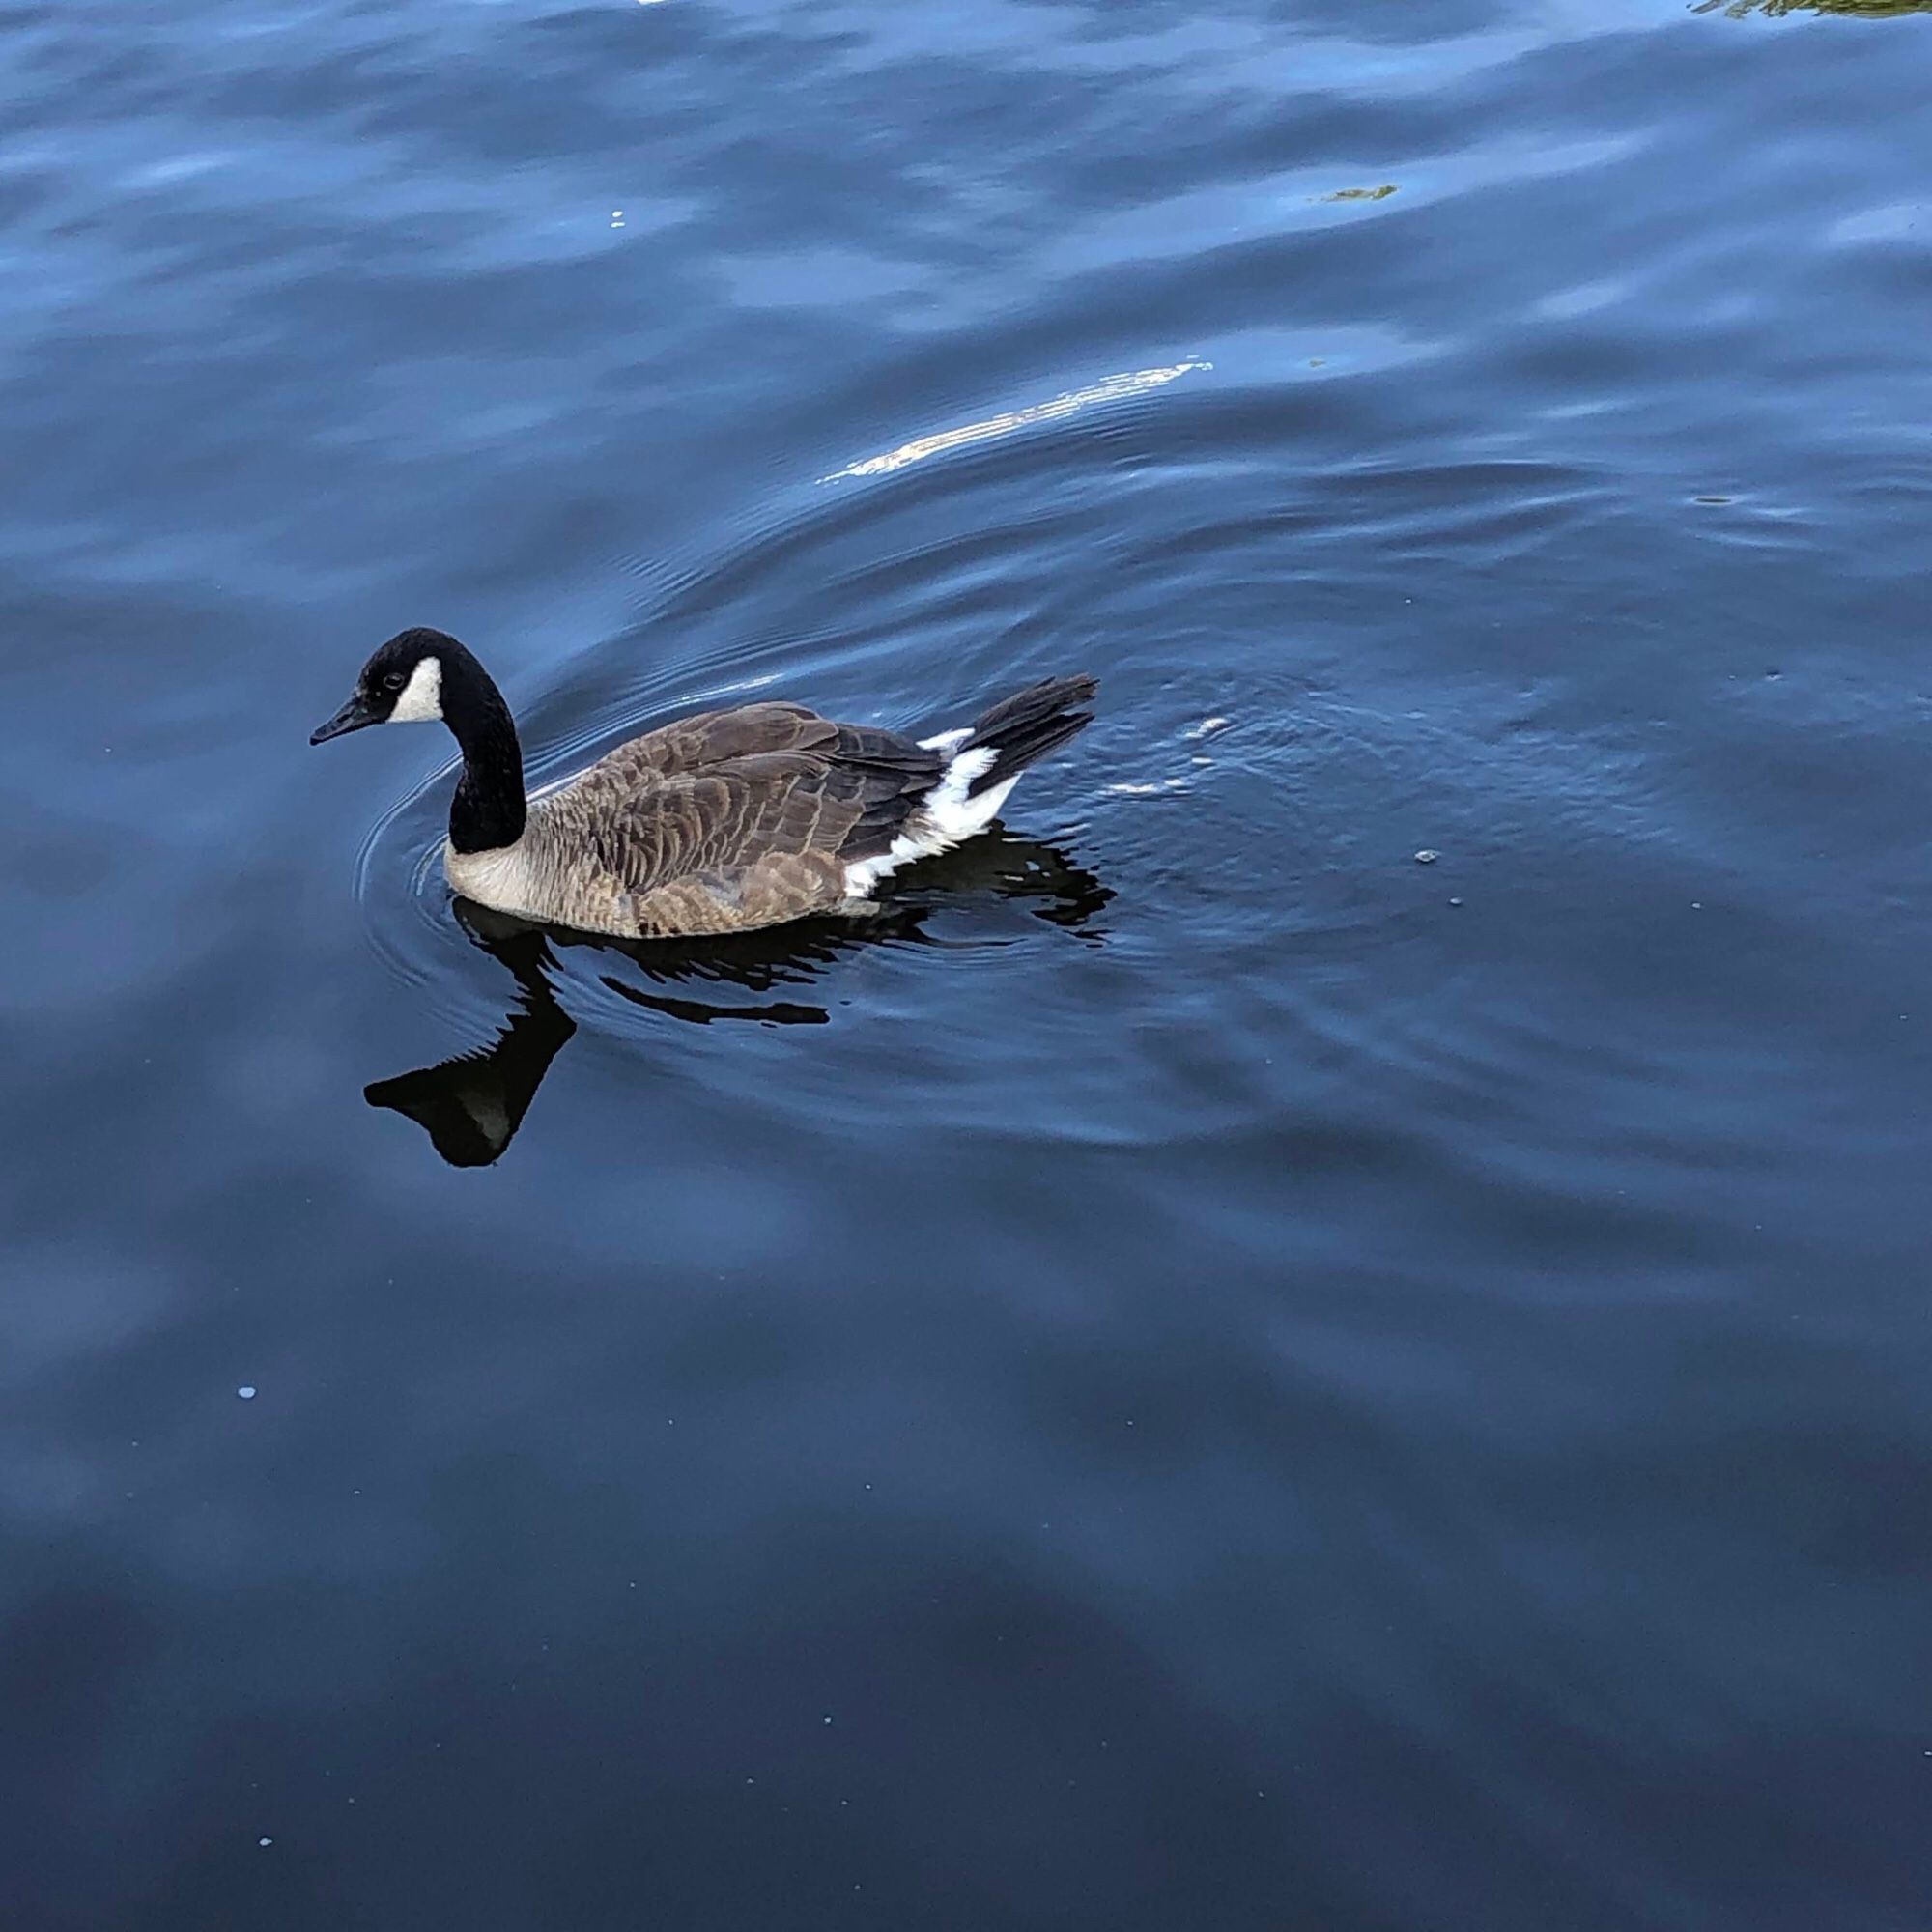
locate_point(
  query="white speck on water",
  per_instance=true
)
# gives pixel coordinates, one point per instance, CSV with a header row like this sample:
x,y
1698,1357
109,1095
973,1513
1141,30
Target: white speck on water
x,y
1455,901
1427,857
827,1719
616,217
247,1391
1207,727
265,1841
1148,790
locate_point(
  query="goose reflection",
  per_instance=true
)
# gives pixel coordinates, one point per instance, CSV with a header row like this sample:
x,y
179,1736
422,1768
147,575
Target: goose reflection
x,y
473,1104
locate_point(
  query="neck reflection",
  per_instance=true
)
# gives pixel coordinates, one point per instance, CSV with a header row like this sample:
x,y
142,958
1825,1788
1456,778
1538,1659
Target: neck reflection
x,y
473,1104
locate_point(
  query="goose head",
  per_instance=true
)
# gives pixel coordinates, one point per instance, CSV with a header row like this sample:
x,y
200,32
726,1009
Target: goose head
x,y
401,684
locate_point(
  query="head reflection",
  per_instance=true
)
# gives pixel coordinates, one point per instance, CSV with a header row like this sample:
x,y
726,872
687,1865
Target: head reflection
x,y
473,1104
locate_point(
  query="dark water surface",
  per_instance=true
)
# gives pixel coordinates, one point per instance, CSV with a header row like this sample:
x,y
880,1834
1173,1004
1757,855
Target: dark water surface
x,y
1209,1375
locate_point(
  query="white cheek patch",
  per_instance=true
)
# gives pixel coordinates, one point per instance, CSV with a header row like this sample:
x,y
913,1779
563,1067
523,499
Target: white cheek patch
x,y
421,698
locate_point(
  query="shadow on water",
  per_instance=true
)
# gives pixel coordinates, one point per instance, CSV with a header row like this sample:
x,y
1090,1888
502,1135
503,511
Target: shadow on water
x,y
473,1104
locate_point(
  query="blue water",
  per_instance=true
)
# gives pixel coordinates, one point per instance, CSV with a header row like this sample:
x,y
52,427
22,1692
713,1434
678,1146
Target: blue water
x,y
1207,1373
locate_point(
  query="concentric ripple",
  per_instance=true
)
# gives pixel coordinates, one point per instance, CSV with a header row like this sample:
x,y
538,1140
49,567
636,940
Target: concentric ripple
x,y
1320,817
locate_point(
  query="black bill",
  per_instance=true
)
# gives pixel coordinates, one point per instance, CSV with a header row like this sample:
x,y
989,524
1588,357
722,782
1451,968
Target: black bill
x,y
352,716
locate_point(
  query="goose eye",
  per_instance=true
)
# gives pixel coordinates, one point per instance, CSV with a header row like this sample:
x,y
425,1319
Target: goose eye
x,y
393,680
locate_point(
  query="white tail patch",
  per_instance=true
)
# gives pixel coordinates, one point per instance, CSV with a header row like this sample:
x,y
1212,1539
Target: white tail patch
x,y
946,816
955,816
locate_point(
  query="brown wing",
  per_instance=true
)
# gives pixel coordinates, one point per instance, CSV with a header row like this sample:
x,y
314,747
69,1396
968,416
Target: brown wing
x,y
733,819
708,738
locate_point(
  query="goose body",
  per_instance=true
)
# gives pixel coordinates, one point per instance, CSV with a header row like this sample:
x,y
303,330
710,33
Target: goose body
x,y
718,823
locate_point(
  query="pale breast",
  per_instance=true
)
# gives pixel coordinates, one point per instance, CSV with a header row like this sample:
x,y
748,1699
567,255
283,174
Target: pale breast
x,y
518,879
504,878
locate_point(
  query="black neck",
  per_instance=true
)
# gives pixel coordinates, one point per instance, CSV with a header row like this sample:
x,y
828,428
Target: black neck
x,y
488,810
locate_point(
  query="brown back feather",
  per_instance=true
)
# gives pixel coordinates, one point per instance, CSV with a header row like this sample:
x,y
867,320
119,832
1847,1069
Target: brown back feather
x,y
735,817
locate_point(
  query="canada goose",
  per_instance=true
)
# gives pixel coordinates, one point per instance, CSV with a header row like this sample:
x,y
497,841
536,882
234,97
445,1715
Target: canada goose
x,y
718,823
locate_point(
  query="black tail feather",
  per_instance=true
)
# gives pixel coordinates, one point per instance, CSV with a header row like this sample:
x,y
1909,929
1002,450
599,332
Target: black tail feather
x,y
1026,727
